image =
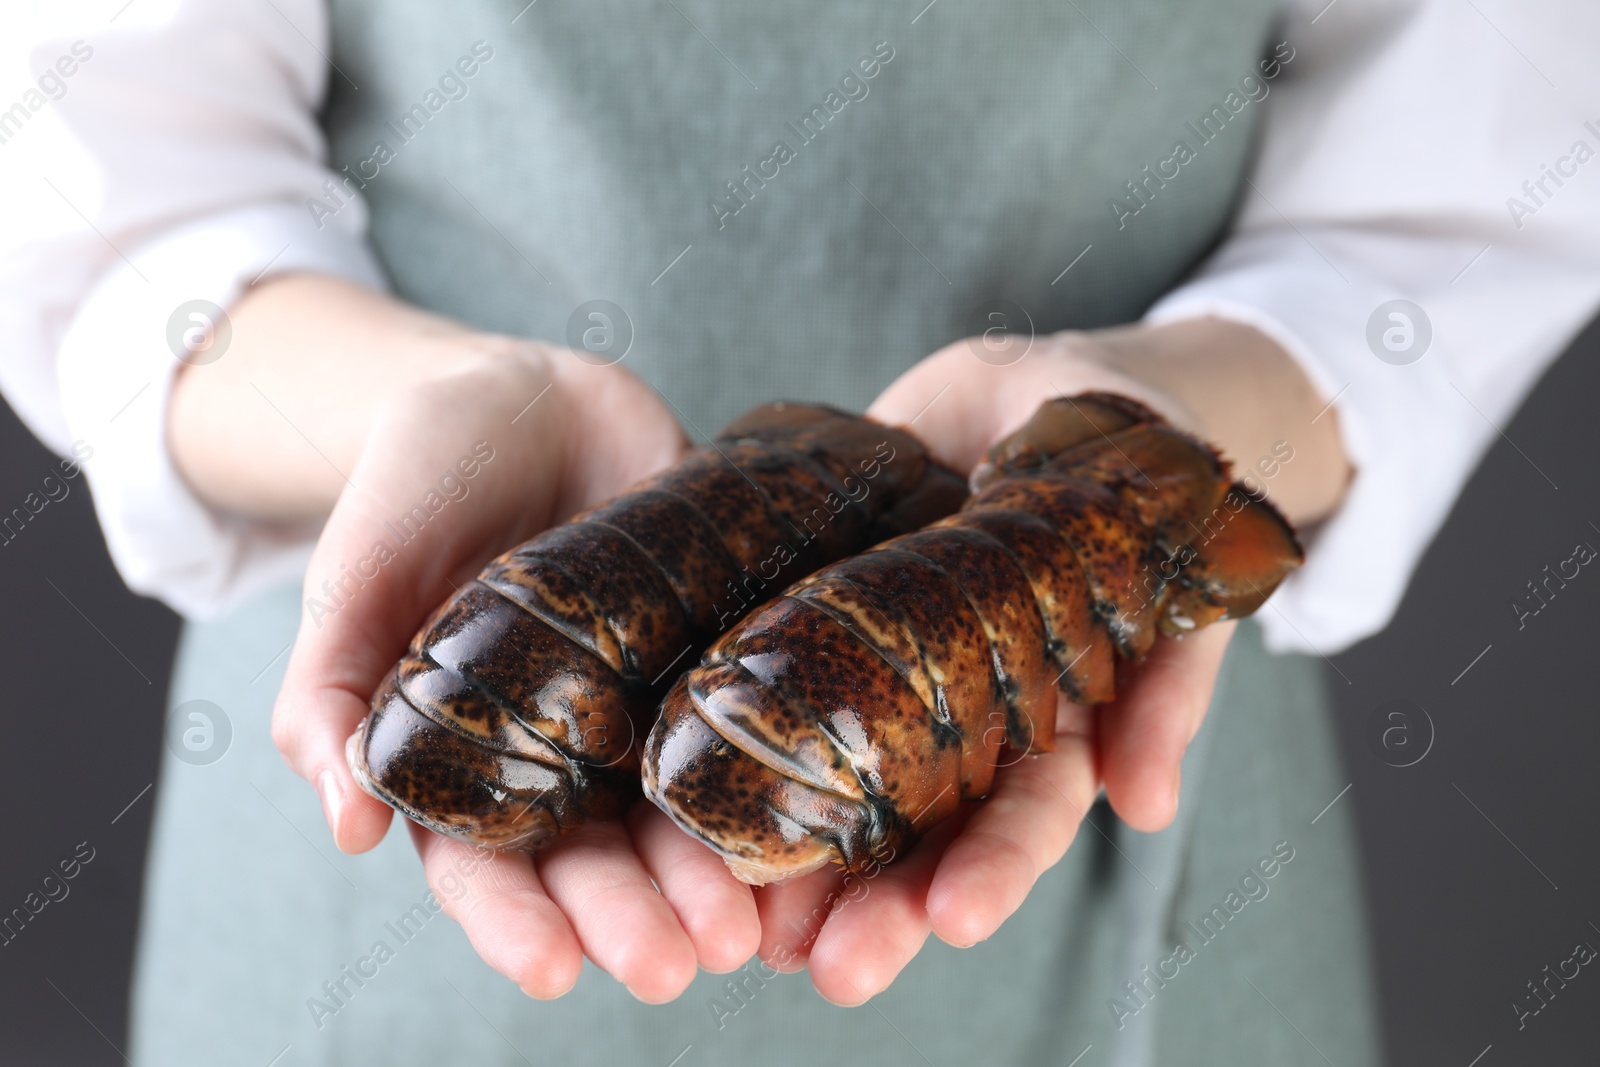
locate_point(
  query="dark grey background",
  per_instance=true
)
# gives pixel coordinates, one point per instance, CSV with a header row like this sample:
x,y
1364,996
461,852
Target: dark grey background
x,y
1479,859
1463,916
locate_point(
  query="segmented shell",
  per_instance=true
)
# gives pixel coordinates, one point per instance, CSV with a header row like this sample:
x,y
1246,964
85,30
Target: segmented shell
x,y
518,711
846,717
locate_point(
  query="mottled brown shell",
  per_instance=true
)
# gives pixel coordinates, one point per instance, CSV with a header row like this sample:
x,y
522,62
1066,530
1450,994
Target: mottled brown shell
x,y
518,712
843,719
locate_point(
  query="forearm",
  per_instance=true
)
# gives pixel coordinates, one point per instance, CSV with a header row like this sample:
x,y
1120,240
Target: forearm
x,y
1249,398
273,427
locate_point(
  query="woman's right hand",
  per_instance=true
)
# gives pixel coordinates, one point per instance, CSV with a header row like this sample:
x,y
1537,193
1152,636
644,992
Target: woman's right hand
x,y
544,434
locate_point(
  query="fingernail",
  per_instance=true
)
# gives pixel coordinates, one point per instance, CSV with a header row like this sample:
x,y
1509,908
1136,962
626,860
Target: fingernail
x,y
1177,788
552,994
844,1003
332,795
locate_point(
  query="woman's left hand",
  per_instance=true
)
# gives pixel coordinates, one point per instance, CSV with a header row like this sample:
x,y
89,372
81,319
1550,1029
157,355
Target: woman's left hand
x,y
856,933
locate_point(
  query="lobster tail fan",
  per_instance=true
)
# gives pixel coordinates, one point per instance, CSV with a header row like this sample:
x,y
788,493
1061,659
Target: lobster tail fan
x,y
1236,563
1059,425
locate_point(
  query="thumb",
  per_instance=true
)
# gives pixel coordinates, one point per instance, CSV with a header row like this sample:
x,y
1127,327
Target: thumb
x,y
310,725
349,637
948,402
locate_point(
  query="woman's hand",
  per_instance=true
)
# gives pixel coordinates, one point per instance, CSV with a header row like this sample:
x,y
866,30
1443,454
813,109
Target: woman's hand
x,y
447,447
972,872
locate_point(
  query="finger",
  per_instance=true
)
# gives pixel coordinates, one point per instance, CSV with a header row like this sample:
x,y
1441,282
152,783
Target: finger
x,y
311,726
1159,708
349,637
877,923
950,401
499,901
966,396
624,925
716,910
626,433
792,913
1021,830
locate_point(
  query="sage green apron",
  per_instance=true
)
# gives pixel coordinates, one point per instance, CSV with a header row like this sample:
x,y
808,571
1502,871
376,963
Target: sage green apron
x,y
761,218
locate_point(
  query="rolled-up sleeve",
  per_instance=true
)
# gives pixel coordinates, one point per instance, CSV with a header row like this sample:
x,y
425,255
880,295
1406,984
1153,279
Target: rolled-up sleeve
x,y
179,163
1421,233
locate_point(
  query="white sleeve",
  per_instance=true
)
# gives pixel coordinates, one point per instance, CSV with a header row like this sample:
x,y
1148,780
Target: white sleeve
x,y
1433,151
165,158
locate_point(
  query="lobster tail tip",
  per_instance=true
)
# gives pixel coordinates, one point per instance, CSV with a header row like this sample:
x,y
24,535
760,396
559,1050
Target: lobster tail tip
x,y
779,415
442,781
764,825
1060,424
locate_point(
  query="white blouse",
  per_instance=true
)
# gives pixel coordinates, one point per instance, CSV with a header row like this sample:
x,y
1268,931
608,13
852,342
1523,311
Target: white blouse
x,y
1436,153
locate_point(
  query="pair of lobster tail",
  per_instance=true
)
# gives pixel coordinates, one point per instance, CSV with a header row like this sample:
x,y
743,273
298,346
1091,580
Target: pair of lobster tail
x,y
859,708
519,710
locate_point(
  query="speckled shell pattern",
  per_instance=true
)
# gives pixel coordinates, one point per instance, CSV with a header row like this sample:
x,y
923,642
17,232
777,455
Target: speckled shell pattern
x,y
520,708
844,718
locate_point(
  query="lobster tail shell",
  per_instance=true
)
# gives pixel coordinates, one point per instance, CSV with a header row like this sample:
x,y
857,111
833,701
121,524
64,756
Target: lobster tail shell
x,y
841,720
518,711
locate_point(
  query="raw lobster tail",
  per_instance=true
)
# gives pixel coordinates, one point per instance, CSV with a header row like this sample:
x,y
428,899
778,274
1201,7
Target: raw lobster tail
x,y
847,716
516,713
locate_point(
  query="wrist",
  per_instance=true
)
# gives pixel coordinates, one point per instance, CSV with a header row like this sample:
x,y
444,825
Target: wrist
x,y
1246,396
272,430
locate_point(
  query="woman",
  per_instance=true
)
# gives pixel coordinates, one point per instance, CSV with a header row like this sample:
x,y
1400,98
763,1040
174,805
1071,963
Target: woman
x,y
320,242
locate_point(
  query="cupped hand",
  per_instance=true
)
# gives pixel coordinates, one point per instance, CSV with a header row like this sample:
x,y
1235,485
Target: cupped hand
x,y
857,932
487,455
